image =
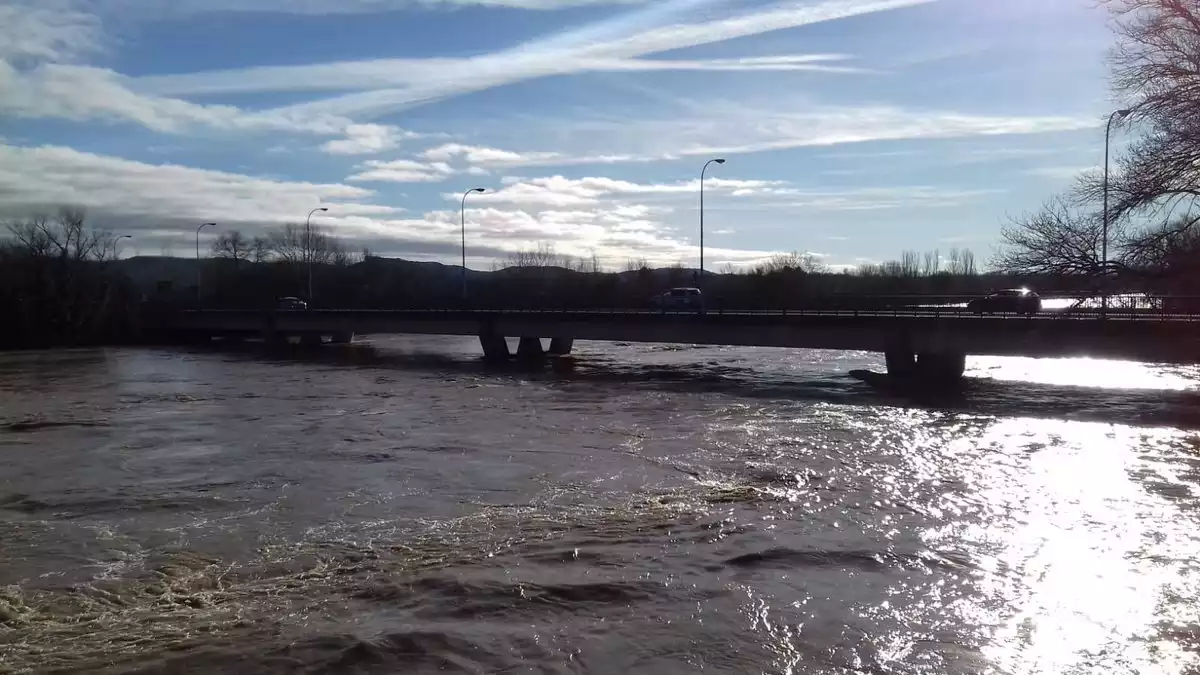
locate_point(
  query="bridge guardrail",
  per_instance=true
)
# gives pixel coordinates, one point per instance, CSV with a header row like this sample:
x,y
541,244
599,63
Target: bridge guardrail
x,y
1120,308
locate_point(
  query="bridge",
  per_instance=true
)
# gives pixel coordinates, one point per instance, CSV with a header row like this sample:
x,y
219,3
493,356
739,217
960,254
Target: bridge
x,y
926,342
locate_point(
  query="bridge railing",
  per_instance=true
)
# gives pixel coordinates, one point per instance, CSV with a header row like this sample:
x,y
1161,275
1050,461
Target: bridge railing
x,y
1064,306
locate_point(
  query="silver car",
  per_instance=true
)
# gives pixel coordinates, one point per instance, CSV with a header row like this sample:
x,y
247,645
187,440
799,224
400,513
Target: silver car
x,y
679,298
290,303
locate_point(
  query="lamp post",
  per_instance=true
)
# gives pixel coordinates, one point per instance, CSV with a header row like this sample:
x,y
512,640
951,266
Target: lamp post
x,y
718,161
116,243
308,256
1121,114
462,213
200,227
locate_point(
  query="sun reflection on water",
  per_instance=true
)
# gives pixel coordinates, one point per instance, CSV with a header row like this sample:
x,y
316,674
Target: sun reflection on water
x,y
1085,372
1069,580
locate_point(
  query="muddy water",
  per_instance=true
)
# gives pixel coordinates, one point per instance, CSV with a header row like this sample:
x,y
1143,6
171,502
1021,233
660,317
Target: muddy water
x,y
399,507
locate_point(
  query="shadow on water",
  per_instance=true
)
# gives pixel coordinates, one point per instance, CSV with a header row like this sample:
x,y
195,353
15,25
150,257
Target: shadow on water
x,y
997,398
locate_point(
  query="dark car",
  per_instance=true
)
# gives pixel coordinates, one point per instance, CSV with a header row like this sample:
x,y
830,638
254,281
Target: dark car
x,y
290,303
1014,300
678,298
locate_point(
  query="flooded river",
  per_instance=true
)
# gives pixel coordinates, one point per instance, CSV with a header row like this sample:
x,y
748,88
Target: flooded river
x,y
397,506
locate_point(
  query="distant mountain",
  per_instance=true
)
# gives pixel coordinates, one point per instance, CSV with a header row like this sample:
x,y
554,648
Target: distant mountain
x,y
147,271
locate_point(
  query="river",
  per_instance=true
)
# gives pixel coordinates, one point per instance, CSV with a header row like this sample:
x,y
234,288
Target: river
x,y
398,506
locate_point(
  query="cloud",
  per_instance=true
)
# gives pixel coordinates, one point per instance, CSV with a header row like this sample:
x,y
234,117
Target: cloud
x,y
80,93
384,73
401,171
157,8
721,127
483,155
560,192
44,32
42,178
367,139
616,43
1060,173
159,204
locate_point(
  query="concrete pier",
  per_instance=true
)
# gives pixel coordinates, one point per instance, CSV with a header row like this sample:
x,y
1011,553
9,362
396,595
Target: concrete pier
x,y
561,346
530,348
495,347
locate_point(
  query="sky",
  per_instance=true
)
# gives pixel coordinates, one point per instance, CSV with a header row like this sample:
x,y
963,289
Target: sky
x,y
852,129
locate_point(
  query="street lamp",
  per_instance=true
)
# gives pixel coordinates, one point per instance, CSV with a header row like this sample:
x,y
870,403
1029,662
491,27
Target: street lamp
x,y
201,227
1121,114
462,213
308,256
116,251
718,161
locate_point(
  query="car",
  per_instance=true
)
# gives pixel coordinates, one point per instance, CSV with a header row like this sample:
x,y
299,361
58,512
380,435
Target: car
x,y
1015,300
290,303
678,298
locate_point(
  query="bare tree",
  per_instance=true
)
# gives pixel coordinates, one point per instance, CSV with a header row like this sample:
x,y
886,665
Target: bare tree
x,y
234,246
260,249
805,263
1155,184
541,257
961,262
66,237
932,263
1061,239
636,264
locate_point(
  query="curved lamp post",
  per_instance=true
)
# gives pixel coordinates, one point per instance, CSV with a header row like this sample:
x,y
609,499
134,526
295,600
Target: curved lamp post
x,y
308,256
1117,114
718,161
200,227
462,213
116,242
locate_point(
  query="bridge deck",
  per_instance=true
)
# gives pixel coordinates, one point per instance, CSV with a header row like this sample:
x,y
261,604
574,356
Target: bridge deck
x,y
1149,336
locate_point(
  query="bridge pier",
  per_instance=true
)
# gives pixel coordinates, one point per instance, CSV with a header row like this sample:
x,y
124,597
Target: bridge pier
x,y
901,362
342,338
942,368
936,368
495,347
530,348
310,339
561,346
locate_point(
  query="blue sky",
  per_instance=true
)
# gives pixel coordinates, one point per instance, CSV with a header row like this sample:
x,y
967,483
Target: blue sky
x,y
853,129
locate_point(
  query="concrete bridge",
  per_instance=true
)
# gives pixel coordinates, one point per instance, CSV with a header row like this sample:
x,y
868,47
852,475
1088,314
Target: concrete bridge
x,y
926,343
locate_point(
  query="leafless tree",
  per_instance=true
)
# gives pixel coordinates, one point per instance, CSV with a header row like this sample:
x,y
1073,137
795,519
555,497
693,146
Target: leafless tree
x,y
636,264
932,263
806,263
541,257
1155,183
961,262
234,246
66,237
260,249
1060,239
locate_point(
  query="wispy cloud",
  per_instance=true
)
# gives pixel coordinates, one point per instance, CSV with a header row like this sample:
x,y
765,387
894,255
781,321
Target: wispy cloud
x,y
558,191
615,44
81,93
401,171
41,178
157,8
33,31
393,73
367,139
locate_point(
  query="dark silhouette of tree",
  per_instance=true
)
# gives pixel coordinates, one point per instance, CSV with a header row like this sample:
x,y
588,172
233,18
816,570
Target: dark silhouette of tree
x,y
1155,182
234,246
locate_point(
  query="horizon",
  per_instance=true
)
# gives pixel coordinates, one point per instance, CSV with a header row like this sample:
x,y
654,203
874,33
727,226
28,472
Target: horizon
x,y
852,129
